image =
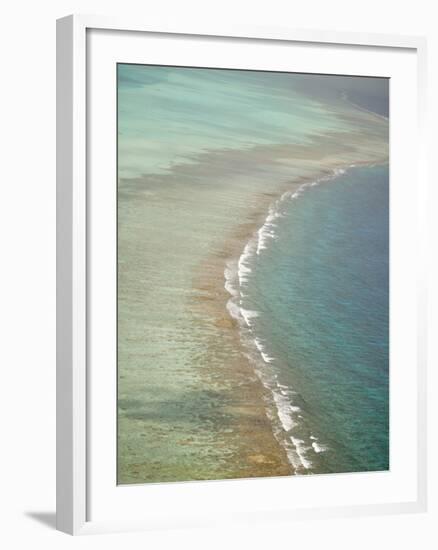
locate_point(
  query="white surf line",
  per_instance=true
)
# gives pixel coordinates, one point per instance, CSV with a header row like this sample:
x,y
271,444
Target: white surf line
x,y
267,230
360,108
237,274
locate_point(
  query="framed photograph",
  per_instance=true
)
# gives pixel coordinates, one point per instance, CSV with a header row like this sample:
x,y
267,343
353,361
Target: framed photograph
x,y
241,286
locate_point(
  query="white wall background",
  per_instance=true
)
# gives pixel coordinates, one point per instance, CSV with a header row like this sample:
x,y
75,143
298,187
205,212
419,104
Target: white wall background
x,y
27,271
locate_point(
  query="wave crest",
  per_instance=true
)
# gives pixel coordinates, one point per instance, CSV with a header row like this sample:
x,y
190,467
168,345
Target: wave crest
x,y
283,413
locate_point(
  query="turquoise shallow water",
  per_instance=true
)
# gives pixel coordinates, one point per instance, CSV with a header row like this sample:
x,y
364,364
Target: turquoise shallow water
x,y
169,115
316,297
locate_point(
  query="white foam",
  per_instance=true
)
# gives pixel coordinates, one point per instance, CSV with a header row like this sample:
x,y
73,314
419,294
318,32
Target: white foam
x,y
284,411
237,274
230,288
247,315
267,231
301,448
234,310
317,446
243,269
266,357
258,344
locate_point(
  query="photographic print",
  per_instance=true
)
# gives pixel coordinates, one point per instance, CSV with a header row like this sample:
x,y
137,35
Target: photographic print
x,y
253,274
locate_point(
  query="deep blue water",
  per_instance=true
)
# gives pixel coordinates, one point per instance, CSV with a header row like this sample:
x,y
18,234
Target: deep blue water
x,y
321,289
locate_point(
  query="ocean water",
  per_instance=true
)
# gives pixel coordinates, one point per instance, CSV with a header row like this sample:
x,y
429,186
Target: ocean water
x,y
169,115
203,157
314,306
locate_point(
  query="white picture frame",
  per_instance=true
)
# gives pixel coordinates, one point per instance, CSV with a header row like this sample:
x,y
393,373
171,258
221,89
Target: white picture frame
x,y
74,218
